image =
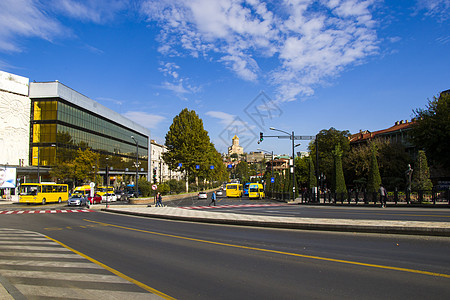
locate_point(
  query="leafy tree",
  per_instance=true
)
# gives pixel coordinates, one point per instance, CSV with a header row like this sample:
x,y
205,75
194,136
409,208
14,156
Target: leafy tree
x,y
421,175
374,178
145,187
243,171
176,186
392,160
83,162
188,143
432,130
63,171
302,171
164,188
82,168
326,140
340,186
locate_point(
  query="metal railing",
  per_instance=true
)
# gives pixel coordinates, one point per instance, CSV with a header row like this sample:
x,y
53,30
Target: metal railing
x,y
436,196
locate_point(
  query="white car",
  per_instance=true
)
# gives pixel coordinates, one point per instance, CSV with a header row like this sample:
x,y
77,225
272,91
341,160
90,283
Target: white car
x,y
109,197
202,195
219,193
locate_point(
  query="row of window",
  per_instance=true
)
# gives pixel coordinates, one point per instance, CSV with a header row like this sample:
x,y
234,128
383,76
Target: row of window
x,y
106,138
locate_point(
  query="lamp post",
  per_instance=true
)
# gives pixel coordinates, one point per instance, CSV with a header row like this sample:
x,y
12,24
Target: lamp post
x,y
271,168
137,166
292,137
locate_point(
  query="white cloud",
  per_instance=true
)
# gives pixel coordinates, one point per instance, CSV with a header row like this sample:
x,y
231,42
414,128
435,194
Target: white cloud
x,y
37,18
309,41
227,120
25,18
97,11
144,119
177,84
439,9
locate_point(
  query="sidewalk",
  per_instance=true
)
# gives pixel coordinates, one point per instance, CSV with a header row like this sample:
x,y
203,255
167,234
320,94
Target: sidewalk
x,y
342,225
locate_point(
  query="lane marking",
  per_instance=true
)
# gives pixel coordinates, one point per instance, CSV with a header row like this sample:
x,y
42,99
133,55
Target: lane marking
x,y
280,252
121,275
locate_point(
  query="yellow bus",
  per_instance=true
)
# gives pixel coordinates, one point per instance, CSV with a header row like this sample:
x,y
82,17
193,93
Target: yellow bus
x,y
84,190
256,191
234,190
43,192
102,190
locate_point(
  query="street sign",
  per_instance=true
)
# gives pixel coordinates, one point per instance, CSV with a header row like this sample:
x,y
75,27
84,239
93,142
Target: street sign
x,y
230,166
154,187
211,167
272,179
180,165
297,137
197,167
92,185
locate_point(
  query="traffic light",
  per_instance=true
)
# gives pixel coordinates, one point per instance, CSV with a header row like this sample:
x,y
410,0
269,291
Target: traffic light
x,y
154,177
261,137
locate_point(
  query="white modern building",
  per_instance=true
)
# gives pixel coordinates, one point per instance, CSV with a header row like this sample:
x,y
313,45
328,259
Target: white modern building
x,y
41,122
160,168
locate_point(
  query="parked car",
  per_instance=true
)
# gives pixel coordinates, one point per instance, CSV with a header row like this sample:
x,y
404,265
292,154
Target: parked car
x,y
96,199
202,195
109,197
219,193
77,200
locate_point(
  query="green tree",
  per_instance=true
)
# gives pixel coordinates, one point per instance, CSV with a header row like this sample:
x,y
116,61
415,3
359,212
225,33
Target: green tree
x,y
302,171
374,178
326,140
84,163
188,143
340,186
421,175
63,171
392,160
145,187
431,131
82,168
243,171
312,174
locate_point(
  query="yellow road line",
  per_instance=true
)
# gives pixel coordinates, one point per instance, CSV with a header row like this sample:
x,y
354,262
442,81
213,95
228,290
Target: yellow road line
x,y
280,252
138,283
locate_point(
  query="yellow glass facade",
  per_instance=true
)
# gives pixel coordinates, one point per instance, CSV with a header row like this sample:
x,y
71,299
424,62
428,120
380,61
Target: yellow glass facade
x,y
58,128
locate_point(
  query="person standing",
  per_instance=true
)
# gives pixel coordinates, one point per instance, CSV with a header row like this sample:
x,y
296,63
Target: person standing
x,y
159,200
383,196
213,198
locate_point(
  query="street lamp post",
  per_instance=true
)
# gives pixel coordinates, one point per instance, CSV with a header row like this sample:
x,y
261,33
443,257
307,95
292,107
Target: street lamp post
x,y
137,165
271,167
292,137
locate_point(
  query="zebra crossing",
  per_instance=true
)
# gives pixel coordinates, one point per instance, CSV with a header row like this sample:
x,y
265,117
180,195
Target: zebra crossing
x,y
34,267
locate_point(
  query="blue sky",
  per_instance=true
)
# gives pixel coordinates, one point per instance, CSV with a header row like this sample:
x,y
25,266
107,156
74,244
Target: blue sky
x,y
243,66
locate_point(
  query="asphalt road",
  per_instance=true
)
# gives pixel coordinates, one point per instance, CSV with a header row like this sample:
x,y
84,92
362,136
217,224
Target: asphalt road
x,y
199,261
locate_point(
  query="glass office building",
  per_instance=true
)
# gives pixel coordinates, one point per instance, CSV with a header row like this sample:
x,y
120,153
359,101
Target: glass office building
x,y
63,121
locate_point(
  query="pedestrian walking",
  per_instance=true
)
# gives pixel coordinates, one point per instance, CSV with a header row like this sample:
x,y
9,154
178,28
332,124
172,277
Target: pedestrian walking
x,y
159,200
213,198
383,196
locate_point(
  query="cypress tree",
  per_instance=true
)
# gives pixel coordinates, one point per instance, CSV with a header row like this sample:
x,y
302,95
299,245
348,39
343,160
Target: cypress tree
x,y
339,172
312,174
421,175
374,180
